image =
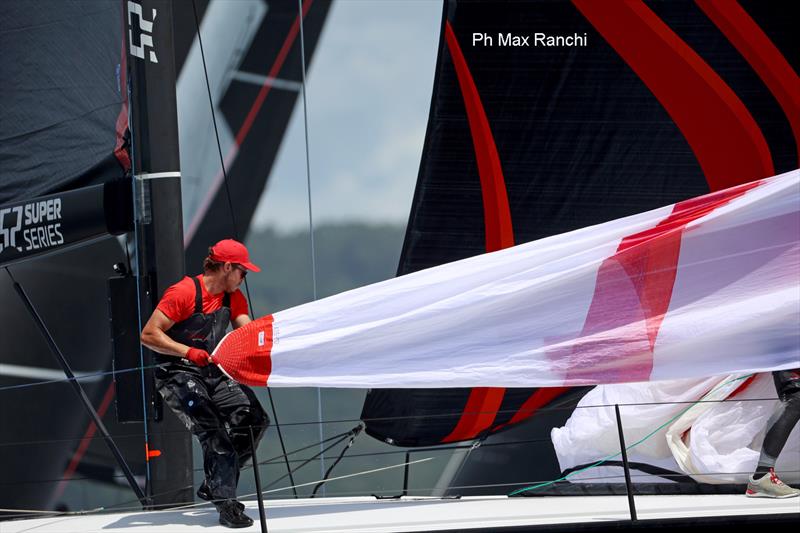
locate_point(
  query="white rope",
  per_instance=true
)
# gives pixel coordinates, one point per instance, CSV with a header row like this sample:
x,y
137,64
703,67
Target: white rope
x,y
344,477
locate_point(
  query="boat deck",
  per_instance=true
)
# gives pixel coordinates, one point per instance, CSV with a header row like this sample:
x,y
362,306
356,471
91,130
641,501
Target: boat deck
x,y
364,514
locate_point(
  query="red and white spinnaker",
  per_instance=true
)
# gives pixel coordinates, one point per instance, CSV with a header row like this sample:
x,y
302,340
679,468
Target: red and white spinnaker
x,y
709,286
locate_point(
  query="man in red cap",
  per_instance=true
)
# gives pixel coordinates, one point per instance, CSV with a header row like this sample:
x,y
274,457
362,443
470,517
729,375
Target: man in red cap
x,y
186,326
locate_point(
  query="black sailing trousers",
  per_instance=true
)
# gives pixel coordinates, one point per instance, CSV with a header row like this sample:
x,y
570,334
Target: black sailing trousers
x,y
219,412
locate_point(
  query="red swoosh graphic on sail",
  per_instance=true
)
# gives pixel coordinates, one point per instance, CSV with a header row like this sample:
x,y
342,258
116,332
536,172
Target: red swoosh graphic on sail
x,y
632,295
273,73
724,137
767,61
634,287
497,215
483,403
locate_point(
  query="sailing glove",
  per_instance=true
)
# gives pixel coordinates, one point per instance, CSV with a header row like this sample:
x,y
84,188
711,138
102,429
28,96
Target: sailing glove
x,y
198,356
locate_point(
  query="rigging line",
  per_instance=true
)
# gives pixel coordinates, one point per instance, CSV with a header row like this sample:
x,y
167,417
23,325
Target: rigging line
x,y
603,460
304,463
308,157
138,261
365,472
272,459
93,375
230,201
115,508
78,377
353,436
293,487
280,437
416,450
214,121
341,437
310,215
232,213
265,462
200,504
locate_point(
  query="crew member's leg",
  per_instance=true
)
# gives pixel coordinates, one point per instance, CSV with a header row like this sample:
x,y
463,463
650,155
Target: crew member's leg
x,y
241,410
779,427
765,482
188,396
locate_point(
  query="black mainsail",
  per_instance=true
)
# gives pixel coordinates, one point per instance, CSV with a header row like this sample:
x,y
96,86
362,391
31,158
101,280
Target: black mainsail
x,y
62,95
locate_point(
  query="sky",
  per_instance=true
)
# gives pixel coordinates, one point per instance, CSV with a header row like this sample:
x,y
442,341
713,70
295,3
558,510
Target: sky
x,y
368,97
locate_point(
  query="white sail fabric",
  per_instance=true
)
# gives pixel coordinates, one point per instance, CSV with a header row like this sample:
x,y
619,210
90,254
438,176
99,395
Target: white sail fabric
x,y
684,427
706,287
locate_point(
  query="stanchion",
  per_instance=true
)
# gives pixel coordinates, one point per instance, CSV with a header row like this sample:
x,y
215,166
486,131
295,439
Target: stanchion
x,y
405,474
628,487
261,514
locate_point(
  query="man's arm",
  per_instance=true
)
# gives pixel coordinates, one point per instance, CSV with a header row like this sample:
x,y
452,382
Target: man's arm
x,y
154,336
240,321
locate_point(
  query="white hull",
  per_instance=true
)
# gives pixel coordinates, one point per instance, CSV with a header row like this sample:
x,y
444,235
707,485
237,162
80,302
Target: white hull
x,y
365,514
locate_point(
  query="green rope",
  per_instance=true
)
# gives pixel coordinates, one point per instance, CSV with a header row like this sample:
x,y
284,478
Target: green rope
x,y
601,461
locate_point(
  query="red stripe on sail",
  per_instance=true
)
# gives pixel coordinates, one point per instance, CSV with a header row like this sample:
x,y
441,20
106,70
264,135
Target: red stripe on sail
x,y
743,386
536,400
632,295
478,415
273,73
245,354
121,125
723,136
483,403
244,129
767,61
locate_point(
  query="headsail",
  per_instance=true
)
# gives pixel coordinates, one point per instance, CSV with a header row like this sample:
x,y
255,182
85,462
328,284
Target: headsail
x,y
631,300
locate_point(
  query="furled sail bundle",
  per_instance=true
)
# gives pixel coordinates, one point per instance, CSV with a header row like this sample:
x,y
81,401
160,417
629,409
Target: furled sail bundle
x,y
682,429
704,287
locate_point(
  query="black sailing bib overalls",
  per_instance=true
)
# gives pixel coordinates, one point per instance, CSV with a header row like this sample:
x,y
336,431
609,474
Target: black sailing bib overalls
x,y
218,410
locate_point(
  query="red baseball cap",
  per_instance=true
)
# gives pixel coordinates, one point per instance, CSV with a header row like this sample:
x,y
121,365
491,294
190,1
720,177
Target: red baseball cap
x,y
230,251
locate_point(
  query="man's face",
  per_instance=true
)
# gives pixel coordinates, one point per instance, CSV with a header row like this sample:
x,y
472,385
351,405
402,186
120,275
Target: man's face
x,y
234,276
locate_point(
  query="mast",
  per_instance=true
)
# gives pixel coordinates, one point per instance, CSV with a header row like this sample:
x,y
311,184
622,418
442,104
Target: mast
x,y
159,231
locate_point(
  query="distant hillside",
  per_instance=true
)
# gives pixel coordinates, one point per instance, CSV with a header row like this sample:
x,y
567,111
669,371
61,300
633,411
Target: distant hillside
x,y
347,256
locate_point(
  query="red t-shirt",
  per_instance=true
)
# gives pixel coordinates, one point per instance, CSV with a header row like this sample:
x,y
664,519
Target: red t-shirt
x,y
178,301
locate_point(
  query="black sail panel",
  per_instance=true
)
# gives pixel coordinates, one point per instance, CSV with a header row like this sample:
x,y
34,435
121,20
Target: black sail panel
x,y
62,95
62,125
585,132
